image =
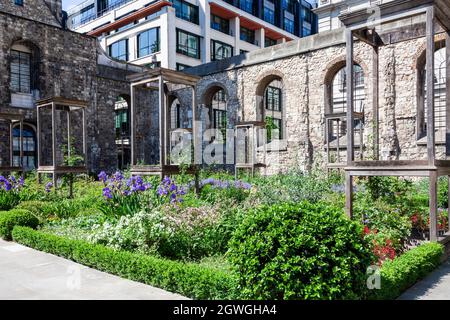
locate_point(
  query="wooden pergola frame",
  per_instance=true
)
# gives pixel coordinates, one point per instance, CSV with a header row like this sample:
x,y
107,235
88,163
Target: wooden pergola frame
x,y
252,127
361,25
163,76
12,119
68,106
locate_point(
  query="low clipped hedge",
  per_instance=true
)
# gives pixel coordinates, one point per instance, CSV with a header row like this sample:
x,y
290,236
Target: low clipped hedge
x,y
404,271
16,217
188,279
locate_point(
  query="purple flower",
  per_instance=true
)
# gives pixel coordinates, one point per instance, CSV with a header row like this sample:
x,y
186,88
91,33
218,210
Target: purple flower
x,y
21,181
48,187
102,176
107,193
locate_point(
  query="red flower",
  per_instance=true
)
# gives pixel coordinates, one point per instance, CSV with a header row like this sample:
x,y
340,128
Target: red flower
x,y
366,230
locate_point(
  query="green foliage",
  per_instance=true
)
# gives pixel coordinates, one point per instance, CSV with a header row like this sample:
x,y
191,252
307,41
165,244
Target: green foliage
x,y
294,186
16,217
390,189
404,271
385,222
188,279
300,251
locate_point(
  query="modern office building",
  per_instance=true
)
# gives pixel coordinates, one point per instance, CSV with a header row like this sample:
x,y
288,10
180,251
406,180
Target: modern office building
x,y
181,33
328,11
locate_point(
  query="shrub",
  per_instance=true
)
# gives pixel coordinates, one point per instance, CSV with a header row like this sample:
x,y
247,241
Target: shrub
x,y
36,207
188,279
404,271
16,217
304,251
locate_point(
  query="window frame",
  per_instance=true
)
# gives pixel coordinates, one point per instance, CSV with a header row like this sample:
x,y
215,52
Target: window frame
x,y
214,44
149,49
127,54
186,52
22,86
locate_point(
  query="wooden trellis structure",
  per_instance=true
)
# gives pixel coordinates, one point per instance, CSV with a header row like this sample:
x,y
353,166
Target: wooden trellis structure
x,y
158,80
67,106
247,135
360,24
12,119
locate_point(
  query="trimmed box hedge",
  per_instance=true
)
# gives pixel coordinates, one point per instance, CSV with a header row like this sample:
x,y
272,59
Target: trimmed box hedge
x,y
16,217
404,271
188,279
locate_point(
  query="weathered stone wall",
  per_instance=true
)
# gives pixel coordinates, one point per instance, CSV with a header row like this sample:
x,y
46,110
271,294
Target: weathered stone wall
x,y
36,10
306,69
67,67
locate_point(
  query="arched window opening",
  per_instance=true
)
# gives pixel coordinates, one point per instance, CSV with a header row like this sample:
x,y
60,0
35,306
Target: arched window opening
x,y
336,114
439,95
219,110
122,131
28,145
273,110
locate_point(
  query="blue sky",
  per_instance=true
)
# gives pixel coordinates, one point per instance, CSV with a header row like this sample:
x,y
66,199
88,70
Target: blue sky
x,y
68,3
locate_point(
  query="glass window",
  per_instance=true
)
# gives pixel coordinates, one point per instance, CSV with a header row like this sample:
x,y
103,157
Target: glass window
x,y
306,29
188,44
220,50
121,118
289,25
243,51
288,5
186,11
273,98
246,5
85,15
20,71
273,110
181,67
219,108
18,2
269,42
220,24
148,42
119,50
269,14
247,35
28,147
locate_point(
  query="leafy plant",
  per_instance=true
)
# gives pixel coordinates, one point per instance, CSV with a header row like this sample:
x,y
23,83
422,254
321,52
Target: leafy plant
x,y
16,217
300,251
10,191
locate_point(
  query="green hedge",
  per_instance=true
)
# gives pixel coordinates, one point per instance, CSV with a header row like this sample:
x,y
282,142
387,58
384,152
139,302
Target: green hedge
x,y
16,217
404,271
187,279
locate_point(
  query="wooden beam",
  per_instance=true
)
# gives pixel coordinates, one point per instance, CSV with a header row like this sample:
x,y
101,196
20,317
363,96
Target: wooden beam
x,y
350,95
447,94
132,125
433,207
430,20
349,194
375,102
162,160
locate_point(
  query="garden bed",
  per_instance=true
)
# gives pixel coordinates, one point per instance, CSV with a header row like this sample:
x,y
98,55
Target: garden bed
x,y
279,237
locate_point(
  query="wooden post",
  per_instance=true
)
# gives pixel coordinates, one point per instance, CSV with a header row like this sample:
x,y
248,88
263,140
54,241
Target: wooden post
x,y
349,194
83,114
196,134
162,160
350,120
447,94
448,204
53,135
68,133
21,145
11,144
433,206
375,102
38,141
430,84
350,96
132,102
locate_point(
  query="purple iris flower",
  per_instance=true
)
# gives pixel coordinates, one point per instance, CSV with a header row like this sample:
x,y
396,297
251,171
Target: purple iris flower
x,y
48,187
21,181
102,176
107,193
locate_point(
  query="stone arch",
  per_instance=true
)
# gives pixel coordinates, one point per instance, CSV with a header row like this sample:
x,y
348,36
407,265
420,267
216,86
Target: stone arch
x,y
210,90
262,83
331,70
